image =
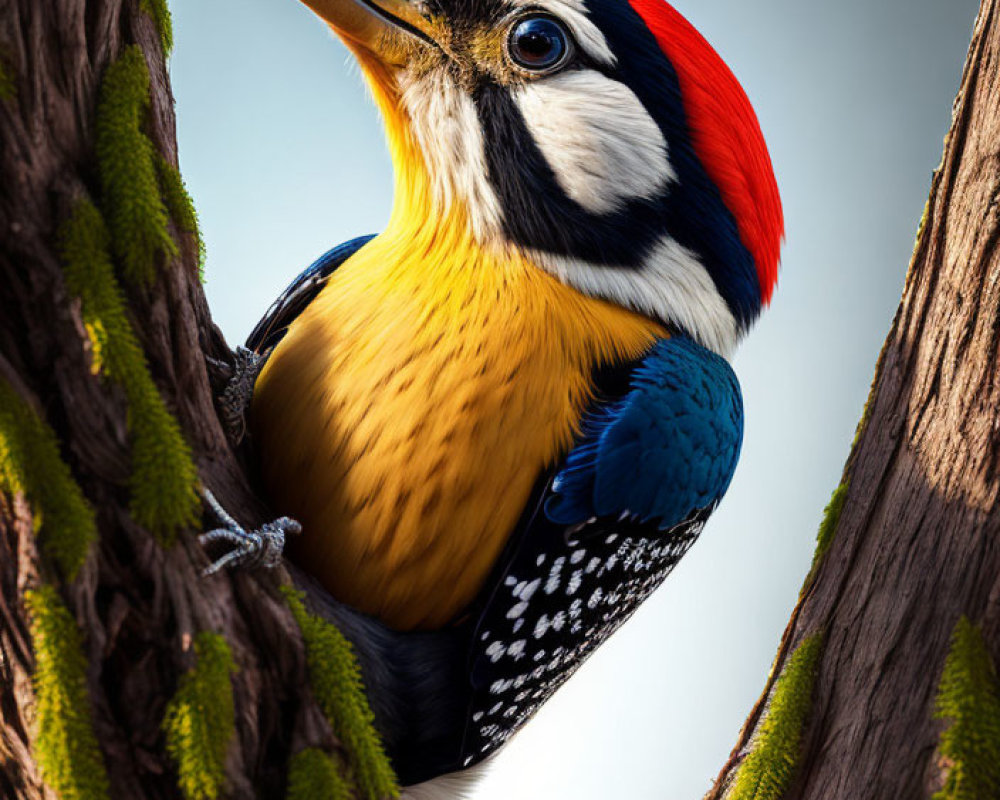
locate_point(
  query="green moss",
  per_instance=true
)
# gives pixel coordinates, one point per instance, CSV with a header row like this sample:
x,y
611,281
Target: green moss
x,y
64,746
767,772
828,527
922,227
30,463
336,682
181,207
135,211
314,775
863,422
83,246
160,12
164,478
200,721
866,412
969,697
164,482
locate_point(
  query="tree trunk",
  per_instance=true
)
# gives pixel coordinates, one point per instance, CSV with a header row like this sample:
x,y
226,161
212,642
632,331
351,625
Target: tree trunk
x,y
915,547
75,391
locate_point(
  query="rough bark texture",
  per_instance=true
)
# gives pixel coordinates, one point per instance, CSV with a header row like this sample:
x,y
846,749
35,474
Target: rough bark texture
x,y
139,604
917,544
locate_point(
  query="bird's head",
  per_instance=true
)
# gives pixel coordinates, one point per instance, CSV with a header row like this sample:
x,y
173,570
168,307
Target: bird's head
x,y
604,139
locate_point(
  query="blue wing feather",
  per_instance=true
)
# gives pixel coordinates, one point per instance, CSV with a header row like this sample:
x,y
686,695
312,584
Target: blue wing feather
x,y
665,450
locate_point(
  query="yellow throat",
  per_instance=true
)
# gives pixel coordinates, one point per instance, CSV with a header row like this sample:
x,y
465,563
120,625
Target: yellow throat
x,y
406,415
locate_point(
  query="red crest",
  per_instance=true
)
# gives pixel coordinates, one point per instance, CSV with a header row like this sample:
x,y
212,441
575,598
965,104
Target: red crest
x,y
725,134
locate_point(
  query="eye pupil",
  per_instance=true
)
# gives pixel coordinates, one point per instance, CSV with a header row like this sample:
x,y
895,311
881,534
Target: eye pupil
x,y
538,43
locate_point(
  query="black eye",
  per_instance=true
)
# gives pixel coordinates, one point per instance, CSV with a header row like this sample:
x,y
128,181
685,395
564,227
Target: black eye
x,y
538,43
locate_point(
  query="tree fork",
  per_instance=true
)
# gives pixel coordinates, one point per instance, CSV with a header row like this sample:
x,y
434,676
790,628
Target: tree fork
x,y
153,632
914,550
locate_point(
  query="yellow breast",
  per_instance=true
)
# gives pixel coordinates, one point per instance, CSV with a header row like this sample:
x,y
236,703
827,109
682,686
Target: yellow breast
x,y
406,415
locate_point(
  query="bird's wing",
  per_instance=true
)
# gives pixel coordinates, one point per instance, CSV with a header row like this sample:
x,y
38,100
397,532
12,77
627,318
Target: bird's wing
x,y
621,510
299,294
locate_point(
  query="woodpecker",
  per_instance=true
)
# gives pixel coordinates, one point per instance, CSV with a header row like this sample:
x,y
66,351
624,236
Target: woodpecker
x,y
503,420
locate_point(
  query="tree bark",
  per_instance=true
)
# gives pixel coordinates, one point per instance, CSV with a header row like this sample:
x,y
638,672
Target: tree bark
x,y
139,605
916,544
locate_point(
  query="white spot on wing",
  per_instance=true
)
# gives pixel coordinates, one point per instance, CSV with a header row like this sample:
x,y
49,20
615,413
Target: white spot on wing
x,y
554,575
529,590
495,651
517,610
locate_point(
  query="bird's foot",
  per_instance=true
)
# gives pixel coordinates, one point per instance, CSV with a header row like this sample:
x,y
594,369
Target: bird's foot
x,y
235,399
249,549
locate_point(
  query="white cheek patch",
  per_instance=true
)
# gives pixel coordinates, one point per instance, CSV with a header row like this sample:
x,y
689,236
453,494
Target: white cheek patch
x,y
446,126
671,285
601,144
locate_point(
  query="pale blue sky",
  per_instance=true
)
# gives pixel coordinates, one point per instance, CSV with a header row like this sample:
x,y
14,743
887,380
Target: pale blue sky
x,y
283,153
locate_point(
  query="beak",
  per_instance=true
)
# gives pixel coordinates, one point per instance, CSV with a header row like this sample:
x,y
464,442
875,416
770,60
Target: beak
x,y
388,28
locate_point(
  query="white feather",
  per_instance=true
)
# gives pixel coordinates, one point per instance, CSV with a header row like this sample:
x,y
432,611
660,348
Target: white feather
x,y
671,285
599,140
453,786
446,126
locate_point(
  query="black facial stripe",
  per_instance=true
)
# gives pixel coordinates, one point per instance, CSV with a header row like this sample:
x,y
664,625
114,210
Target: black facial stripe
x,y
537,213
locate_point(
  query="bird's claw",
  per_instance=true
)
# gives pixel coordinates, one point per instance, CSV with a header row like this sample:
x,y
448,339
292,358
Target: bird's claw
x,y
249,549
235,399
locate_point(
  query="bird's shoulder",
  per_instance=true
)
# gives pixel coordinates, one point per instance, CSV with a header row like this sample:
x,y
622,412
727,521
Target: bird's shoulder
x,y
299,294
656,454
666,445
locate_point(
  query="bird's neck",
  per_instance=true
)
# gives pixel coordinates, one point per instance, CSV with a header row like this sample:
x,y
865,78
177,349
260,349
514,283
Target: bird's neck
x,y
432,380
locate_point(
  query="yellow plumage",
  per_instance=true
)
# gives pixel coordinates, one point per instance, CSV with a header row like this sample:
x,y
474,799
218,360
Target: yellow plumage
x,y
407,413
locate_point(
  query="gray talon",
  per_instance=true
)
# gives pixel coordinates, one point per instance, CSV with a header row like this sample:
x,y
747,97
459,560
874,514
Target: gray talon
x,y
236,396
260,548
